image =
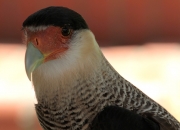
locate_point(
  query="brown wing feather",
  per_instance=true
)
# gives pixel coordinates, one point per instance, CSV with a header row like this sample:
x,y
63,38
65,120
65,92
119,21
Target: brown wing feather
x,y
164,125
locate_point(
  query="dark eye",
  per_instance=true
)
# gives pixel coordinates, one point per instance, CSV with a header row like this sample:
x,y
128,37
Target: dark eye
x,y
66,31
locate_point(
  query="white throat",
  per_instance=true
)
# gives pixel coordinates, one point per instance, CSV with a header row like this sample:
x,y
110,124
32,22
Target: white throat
x,y
82,59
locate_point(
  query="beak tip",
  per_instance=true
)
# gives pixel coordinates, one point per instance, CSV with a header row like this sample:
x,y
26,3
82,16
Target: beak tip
x,y
29,77
28,73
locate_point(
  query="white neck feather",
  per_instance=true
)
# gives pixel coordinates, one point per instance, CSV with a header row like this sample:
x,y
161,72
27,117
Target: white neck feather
x,y
82,59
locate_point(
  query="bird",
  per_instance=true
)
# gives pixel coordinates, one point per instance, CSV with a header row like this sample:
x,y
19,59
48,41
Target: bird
x,y
75,86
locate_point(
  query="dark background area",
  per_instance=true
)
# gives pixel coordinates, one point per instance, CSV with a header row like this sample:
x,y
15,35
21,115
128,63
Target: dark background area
x,y
114,22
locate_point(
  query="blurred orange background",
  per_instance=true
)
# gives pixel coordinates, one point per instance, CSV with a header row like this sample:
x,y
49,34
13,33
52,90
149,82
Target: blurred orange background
x,y
141,39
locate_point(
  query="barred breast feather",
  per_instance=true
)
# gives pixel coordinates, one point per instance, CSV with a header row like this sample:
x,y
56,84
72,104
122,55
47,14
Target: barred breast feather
x,y
76,108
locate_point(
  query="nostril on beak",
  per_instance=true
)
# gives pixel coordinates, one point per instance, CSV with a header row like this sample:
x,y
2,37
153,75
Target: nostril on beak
x,y
37,41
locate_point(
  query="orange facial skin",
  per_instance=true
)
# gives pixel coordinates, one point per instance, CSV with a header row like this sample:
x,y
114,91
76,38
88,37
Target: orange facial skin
x,y
50,42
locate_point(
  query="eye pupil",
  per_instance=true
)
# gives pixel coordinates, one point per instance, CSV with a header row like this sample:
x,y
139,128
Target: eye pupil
x,y
66,31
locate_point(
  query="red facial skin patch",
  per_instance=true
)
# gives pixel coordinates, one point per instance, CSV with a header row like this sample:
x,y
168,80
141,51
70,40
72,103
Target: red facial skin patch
x,y
50,42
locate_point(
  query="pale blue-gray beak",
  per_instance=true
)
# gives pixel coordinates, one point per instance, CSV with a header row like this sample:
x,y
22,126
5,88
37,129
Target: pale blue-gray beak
x,y
33,59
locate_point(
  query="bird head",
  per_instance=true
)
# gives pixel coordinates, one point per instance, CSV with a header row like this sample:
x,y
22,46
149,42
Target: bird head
x,y
56,34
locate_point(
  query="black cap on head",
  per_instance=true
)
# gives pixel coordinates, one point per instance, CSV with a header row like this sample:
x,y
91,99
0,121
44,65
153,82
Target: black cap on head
x,y
56,16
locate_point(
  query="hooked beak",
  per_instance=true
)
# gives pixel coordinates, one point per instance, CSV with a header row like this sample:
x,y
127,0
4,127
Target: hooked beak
x,y
33,59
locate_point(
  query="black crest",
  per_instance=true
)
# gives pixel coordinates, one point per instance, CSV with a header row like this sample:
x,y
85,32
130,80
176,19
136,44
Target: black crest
x,y
56,16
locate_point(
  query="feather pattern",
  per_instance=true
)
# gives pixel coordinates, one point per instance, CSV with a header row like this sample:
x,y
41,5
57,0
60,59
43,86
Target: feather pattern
x,y
76,108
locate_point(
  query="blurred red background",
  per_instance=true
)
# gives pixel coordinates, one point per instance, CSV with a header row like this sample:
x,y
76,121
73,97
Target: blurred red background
x,y
117,22
148,30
